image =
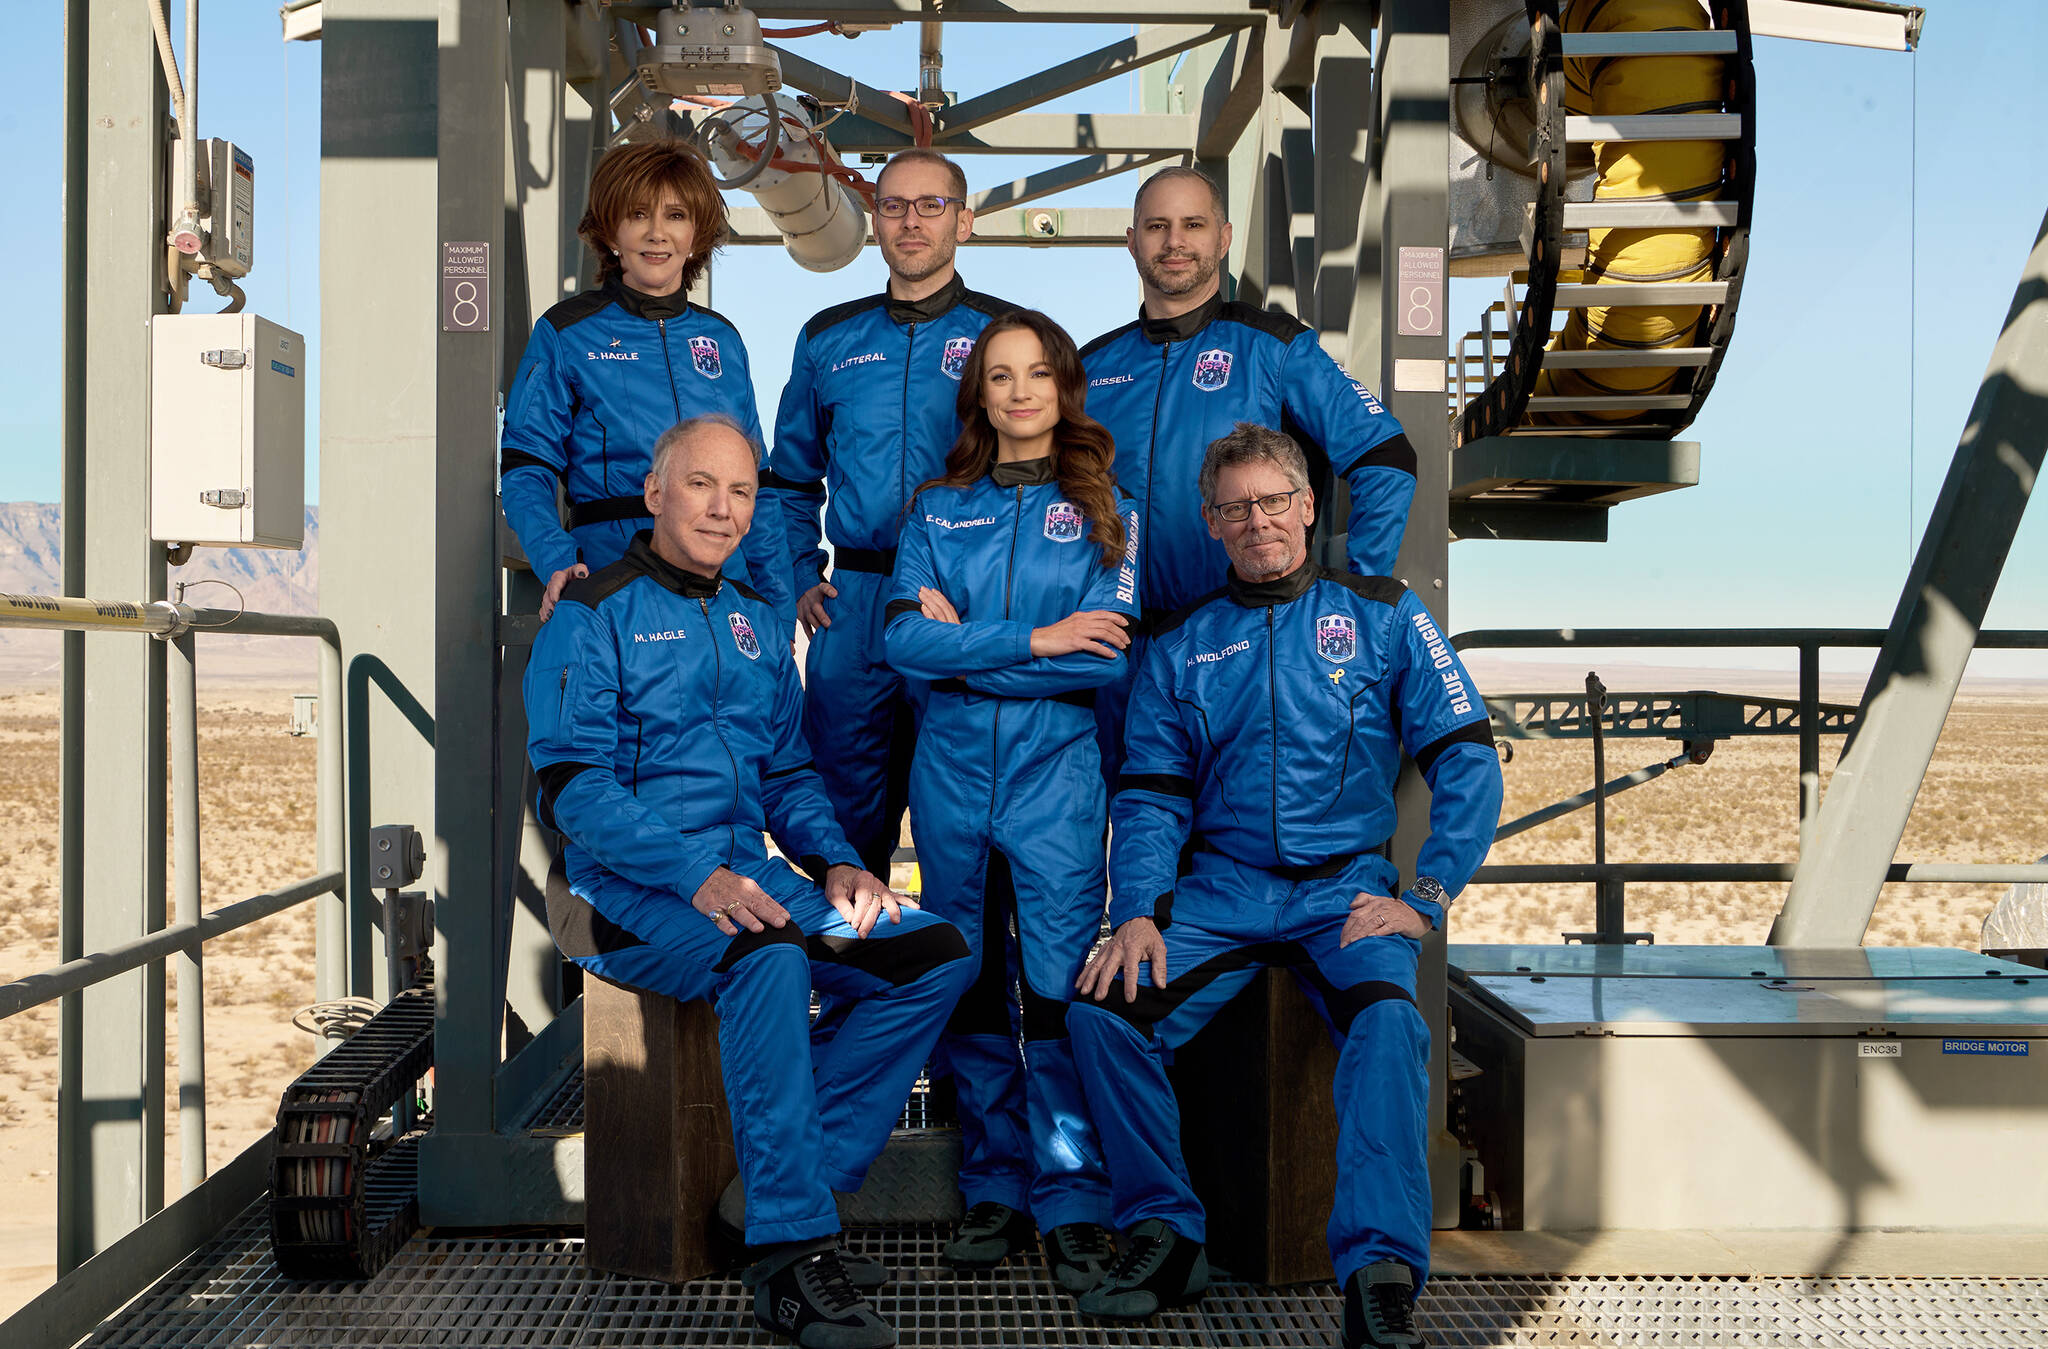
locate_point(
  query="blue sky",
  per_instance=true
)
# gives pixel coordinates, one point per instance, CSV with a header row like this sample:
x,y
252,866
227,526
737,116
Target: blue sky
x,y
1806,512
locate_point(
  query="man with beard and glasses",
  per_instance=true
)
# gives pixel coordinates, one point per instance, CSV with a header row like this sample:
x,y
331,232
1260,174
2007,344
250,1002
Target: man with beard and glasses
x,y
1192,366
868,414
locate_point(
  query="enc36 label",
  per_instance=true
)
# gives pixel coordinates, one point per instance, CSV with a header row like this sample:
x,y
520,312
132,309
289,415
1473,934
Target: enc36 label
x,y
1880,1049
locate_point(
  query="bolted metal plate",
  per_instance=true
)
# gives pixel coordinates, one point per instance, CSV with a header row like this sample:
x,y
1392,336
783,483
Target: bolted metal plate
x,y
534,1290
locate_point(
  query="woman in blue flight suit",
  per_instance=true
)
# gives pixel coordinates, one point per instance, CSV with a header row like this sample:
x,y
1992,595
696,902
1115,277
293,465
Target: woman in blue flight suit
x,y
1014,590
607,371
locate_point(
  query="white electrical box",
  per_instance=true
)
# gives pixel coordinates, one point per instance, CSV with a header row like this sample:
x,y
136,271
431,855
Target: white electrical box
x,y
227,426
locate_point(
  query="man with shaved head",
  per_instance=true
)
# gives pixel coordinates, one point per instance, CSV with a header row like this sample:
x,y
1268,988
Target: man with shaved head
x,y
1190,367
665,731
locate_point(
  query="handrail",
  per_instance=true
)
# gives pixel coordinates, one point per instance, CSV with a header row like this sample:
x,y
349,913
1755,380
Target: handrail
x,y
1490,639
159,618
1935,873
33,990
1808,642
178,623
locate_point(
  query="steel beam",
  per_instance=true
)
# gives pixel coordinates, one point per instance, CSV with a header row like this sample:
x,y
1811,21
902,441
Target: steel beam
x,y
1342,122
549,117
1407,205
1236,12
1231,93
875,105
1148,45
1059,179
1035,133
1940,612
110,1102
462,869
1032,227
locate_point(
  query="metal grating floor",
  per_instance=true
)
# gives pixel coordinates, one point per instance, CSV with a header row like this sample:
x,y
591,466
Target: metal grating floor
x,y
533,1290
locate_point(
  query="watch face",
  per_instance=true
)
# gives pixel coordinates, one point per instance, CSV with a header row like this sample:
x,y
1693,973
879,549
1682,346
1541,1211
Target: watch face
x,y
1429,888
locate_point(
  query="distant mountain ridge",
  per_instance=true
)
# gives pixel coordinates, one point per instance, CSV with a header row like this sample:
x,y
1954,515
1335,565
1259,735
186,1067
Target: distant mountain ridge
x,y
271,580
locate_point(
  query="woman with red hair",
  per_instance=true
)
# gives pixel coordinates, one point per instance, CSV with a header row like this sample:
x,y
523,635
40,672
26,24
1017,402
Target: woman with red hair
x,y
607,371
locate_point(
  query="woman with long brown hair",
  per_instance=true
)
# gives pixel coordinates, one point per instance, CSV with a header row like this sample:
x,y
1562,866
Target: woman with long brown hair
x,y
1014,593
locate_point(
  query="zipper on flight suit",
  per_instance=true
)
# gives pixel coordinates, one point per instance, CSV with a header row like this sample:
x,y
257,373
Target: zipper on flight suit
x,y
995,724
668,363
717,728
1273,702
903,437
1152,447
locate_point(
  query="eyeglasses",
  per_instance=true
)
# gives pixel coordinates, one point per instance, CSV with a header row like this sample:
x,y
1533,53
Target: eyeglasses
x,y
1237,512
895,208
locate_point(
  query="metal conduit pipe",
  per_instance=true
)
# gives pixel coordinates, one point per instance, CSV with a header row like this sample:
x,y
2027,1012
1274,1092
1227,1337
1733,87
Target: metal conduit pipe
x,y
931,65
184,736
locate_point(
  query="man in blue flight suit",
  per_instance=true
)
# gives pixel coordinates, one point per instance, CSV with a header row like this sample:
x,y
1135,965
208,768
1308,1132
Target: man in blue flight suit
x,y
868,415
664,709
1193,365
1266,729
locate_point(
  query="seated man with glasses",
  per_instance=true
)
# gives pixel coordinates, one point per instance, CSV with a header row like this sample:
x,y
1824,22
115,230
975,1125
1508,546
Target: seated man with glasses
x,y
1266,730
868,414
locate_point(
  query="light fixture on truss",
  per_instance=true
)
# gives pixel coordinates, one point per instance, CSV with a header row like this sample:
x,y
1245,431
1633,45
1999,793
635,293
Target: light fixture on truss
x,y
709,53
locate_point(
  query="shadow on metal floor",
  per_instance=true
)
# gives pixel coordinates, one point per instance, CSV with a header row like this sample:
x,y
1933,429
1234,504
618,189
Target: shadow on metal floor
x,y
505,1291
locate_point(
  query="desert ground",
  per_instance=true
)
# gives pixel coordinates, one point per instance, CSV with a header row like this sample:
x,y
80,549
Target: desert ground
x,y
1985,800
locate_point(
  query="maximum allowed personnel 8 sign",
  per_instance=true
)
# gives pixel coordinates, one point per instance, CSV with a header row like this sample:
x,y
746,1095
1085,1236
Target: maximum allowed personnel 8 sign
x,y
465,288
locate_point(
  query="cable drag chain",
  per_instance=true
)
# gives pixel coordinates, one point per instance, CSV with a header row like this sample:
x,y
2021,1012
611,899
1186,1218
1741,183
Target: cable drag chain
x,y
342,1199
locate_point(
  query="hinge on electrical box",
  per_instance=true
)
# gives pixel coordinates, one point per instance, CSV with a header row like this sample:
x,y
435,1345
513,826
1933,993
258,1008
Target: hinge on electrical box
x,y
224,357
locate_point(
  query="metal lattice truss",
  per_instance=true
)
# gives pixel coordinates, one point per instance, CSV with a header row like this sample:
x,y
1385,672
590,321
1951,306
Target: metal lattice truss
x,y
1212,74
1691,716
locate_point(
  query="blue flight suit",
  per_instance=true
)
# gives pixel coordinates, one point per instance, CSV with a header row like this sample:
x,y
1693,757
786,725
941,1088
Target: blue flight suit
x,y
604,374
663,709
1267,727
868,415
1166,388
1007,792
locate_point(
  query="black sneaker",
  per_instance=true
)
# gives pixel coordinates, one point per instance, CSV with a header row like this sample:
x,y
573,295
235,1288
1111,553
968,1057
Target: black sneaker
x,y
1159,1268
1379,1308
1079,1255
802,1291
729,1243
988,1235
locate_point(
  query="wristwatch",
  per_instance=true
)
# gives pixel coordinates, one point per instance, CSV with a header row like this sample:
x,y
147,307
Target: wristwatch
x,y
1428,890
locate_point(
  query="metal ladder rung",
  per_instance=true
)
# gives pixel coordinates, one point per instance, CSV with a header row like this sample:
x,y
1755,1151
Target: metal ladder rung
x,y
1647,215
1710,42
1603,358
1602,430
1586,296
1631,402
1704,126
